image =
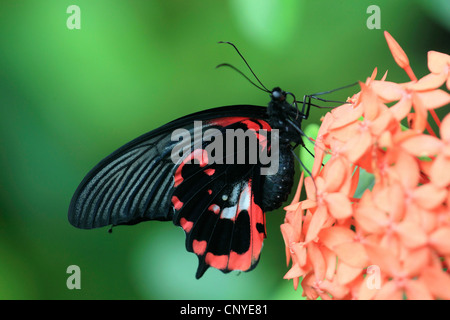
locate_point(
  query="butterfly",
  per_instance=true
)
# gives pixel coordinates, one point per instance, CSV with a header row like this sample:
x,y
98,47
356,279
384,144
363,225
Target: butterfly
x,y
219,204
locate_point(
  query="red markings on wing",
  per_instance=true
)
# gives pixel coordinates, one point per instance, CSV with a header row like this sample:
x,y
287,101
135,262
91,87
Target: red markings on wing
x,y
250,123
186,225
177,204
199,247
214,208
239,261
256,216
253,125
215,261
198,154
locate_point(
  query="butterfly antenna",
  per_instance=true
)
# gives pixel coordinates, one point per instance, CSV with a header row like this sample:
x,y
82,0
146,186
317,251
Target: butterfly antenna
x,y
241,73
235,48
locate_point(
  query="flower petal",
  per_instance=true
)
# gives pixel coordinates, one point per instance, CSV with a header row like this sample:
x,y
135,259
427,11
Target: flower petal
x,y
299,251
308,204
345,115
440,171
440,240
335,173
389,291
317,221
437,61
437,281
330,261
292,207
336,235
380,124
334,288
433,99
445,128
401,108
422,145
384,258
417,290
286,231
353,254
429,196
391,200
416,260
370,102
296,198
310,187
367,290
308,287
318,262
355,148
430,81
418,119
371,219
295,272
388,91
411,234
319,155
346,273
339,205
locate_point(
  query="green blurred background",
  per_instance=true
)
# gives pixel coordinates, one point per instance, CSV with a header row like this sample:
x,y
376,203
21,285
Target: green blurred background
x,y
70,97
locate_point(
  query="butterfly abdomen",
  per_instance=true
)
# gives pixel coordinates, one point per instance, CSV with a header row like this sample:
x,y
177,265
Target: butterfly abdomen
x,y
277,187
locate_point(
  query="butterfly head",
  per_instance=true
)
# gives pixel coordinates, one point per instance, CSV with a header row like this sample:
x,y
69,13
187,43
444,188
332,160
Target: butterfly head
x,y
279,104
278,94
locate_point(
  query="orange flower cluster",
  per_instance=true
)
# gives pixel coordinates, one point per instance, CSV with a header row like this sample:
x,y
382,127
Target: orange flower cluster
x,y
393,241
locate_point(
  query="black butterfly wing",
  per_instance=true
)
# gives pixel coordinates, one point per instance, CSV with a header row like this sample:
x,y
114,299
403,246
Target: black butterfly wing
x,y
218,205
133,183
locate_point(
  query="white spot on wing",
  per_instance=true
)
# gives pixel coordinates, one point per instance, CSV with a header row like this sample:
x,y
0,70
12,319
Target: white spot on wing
x,y
240,199
235,194
245,198
229,213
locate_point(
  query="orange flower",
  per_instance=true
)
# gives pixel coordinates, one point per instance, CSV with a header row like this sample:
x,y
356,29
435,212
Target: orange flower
x,y
375,223
439,66
424,145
